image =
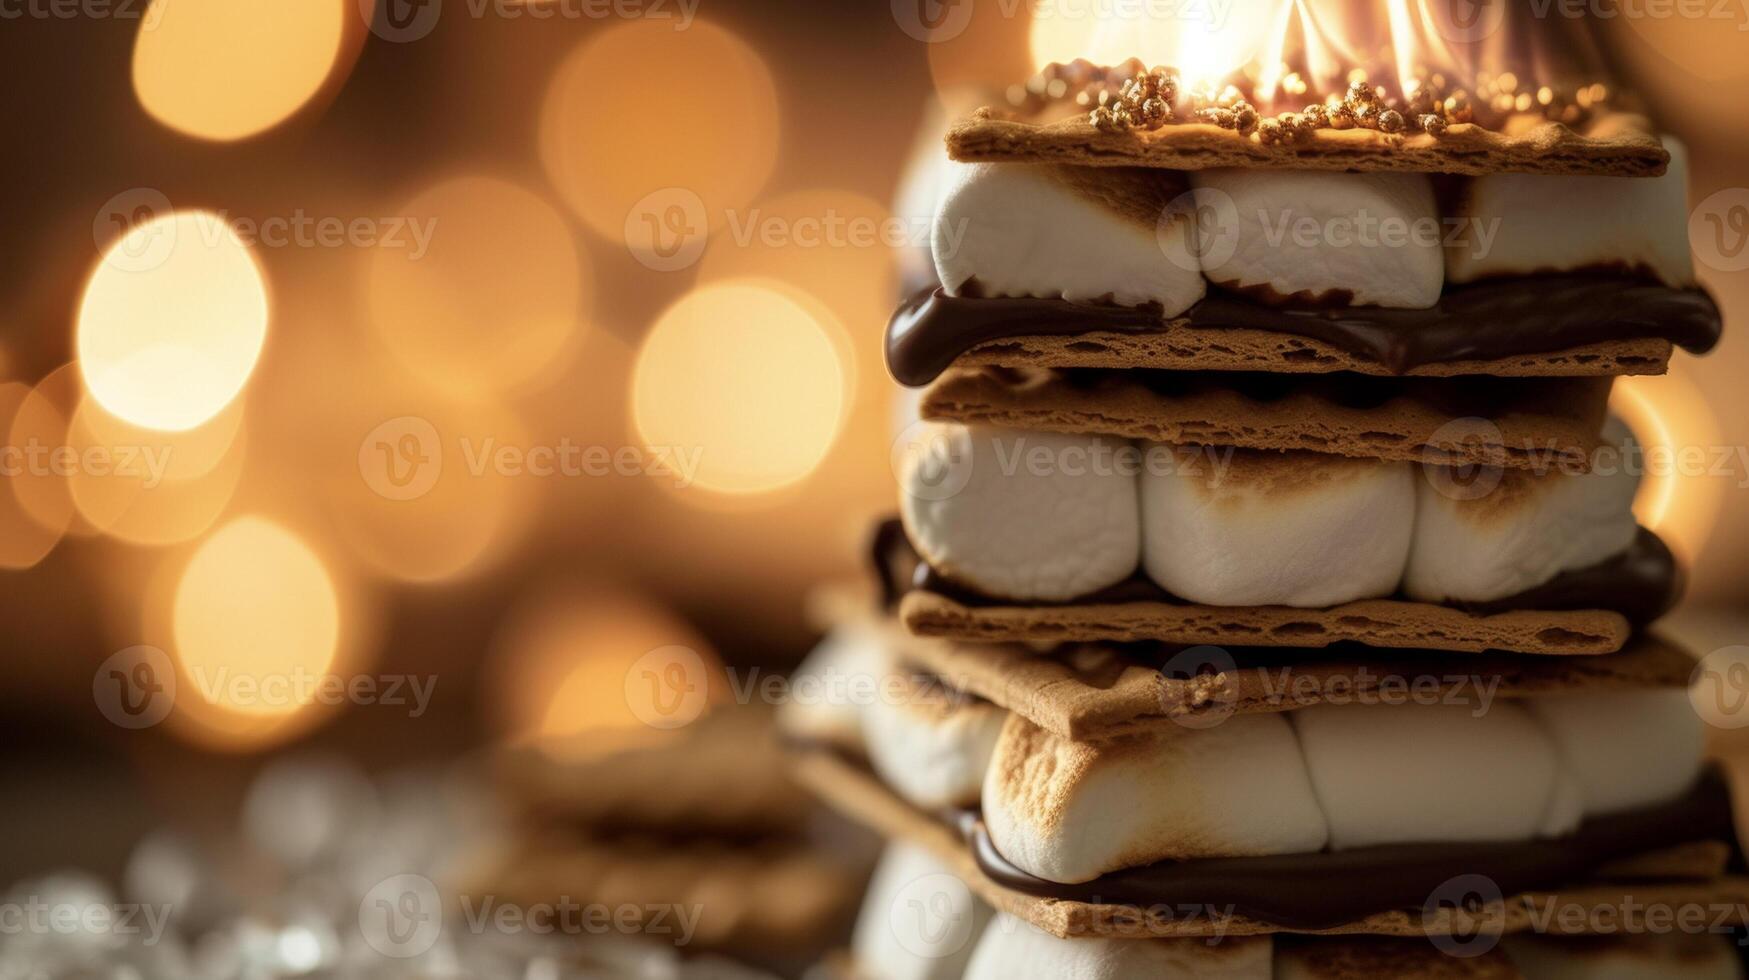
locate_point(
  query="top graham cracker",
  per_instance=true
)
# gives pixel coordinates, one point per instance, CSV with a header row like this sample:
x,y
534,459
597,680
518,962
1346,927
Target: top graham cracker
x,y
1615,144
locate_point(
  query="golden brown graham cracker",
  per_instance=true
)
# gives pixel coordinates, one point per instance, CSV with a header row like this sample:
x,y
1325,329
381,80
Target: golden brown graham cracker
x,y
1498,422
1180,347
1089,691
775,894
1368,958
721,774
861,797
1372,622
1612,145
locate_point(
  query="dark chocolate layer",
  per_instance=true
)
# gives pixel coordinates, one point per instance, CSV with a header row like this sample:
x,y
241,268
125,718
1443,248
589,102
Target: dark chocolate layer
x,y
1326,889
1642,583
1483,321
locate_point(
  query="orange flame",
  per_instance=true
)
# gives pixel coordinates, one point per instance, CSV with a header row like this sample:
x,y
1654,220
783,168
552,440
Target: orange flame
x,y
1295,51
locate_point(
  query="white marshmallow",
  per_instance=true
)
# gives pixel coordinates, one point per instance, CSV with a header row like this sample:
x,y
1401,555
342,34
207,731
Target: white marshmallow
x,y
1523,224
1414,773
1672,956
829,689
930,744
1506,531
1088,234
1374,239
1292,529
1626,749
919,191
1071,811
1022,515
919,921
1014,950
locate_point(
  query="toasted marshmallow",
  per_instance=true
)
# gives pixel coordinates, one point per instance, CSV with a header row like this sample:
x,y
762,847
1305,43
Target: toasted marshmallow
x,y
1409,773
1023,515
1309,237
1625,749
1070,811
1523,224
1505,531
1672,956
1079,233
1013,949
918,192
930,744
1266,528
830,688
919,921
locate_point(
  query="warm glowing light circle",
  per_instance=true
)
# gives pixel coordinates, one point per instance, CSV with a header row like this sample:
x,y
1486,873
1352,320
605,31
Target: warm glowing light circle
x,y
23,540
229,69
493,298
168,344
561,662
694,109
255,605
746,378
153,488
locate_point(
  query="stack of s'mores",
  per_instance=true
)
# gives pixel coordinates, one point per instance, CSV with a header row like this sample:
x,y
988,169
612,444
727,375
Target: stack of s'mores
x,y
1267,597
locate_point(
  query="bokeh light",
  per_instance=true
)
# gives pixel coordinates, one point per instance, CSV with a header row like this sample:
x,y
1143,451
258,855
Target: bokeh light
x,y
1670,417
494,297
981,47
153,488
172,322
429,498
641,108
23,541
39,425
561,660
255,616
833,245
229,69
747,378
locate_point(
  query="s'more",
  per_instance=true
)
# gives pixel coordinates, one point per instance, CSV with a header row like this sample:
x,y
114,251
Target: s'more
x,y
1266,595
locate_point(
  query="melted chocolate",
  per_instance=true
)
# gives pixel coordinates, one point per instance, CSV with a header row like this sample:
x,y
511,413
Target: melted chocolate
x,y
1484,321
1326,889
1642,583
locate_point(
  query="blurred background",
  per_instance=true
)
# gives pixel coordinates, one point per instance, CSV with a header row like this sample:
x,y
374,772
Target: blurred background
x,y
479,348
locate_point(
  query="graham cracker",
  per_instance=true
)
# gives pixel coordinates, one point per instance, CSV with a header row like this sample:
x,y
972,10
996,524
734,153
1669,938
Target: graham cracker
x,y
722,774
1176,346
1372,622
1514,423
1089,691
861,797
777,895
1612,145
1367,958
